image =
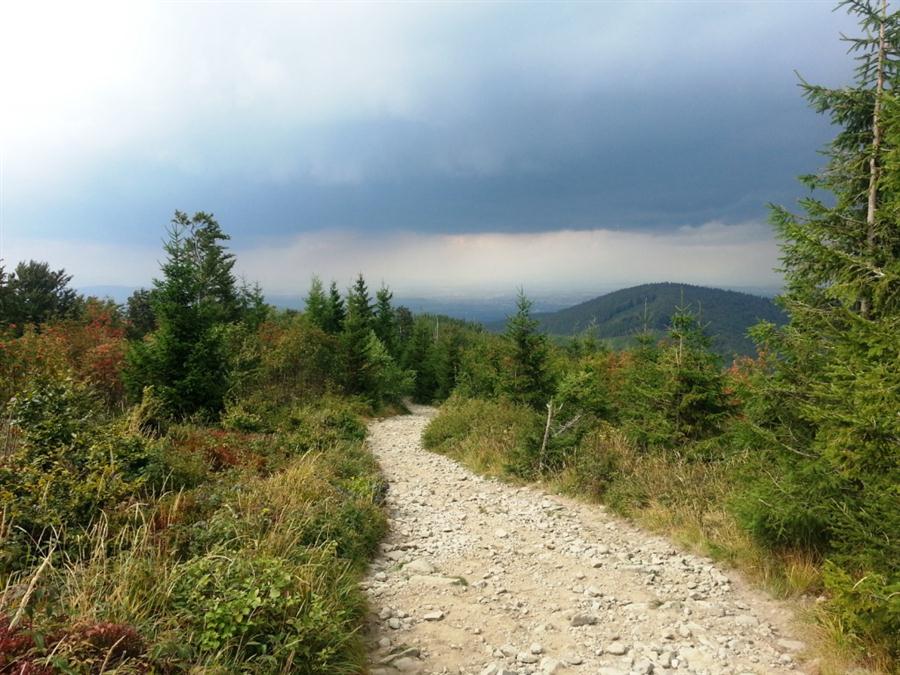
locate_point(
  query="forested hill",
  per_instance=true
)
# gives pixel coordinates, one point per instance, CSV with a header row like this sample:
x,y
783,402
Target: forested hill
x,y
619,315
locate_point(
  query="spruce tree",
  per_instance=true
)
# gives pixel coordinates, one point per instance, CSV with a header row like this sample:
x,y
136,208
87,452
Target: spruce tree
x,y
336,314
826,426
404,327
529,373
447,360
139,314
317,307
6,299
357,326
696,401
215,284
185,360
419,357
642,398
254,309
385,323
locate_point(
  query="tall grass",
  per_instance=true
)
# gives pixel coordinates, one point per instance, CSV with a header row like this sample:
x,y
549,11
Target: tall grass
x,y
483,435
250,571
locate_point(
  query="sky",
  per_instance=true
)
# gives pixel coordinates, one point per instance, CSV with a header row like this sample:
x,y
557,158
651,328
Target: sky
x,y
441,147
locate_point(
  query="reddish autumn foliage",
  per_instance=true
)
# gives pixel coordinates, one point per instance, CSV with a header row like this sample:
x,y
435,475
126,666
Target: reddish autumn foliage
x,y
108,642
90,349
222,449
17,647
112,642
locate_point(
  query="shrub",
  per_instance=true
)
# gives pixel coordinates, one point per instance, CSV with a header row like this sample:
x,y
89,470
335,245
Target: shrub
x,y
238,418
19,652
868,607
90,350
67,464
496,437
320,425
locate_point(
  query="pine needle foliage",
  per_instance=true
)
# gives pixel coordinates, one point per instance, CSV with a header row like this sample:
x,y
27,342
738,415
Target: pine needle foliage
x,y
529,377
825,427
185,359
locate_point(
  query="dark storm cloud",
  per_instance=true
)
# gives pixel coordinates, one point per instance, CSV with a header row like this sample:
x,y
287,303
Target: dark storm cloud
x,y
498,118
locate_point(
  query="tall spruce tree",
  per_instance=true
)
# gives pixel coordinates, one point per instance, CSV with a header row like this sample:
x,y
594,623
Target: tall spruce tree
x,y
385,323
185,359
6,298
529,374
336,313
827,428
357,326
317,307
214,281
404,326
419,357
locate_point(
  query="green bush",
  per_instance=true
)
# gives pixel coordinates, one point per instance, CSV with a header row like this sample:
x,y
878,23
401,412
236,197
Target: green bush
x,y
237,417
319,425
263,613
498,437
68,464
867,606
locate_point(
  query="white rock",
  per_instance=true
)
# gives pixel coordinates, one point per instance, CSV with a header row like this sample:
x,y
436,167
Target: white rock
x,y
616,648
642,667
407,664
549,666
419,566
746,620
433,616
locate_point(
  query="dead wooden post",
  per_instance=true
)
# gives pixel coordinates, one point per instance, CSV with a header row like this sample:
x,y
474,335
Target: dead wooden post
x,y
546,436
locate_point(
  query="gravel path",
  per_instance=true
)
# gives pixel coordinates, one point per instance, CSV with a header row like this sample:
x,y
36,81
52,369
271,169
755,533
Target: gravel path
x,y
485,578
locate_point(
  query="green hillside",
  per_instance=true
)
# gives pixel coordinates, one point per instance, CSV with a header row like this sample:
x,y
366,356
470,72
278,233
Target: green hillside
x,y
618,316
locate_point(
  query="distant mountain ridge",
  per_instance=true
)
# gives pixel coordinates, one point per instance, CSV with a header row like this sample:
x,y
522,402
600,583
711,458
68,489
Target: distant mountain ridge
x,y
620,315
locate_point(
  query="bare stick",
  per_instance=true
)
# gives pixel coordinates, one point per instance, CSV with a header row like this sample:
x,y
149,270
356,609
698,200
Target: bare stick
x,y
31,586
546,435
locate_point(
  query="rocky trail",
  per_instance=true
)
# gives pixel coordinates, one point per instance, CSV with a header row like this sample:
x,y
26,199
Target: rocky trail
x,y
481,577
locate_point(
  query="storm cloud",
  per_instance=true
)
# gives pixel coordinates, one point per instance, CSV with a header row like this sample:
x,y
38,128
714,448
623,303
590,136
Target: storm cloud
x,y
294,121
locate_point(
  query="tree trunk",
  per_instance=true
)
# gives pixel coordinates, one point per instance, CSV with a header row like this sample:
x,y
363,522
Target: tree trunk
x,y
874,169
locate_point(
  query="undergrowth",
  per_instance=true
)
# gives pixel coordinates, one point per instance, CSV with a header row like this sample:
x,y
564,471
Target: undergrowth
x,y
242,555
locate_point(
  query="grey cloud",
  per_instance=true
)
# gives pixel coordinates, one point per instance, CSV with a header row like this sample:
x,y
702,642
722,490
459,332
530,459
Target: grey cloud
x,y
438,119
